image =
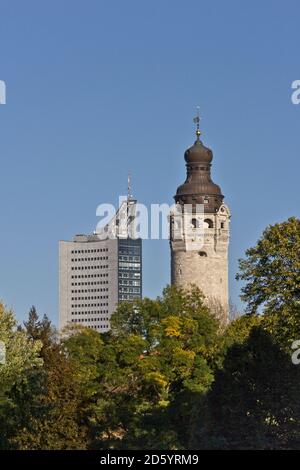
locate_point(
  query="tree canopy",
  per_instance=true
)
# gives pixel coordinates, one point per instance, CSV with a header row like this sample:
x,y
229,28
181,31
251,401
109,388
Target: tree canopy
x,y
167,375
271,269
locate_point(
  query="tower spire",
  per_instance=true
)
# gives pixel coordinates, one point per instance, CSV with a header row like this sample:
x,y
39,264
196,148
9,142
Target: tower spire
x,y
129,187
196,120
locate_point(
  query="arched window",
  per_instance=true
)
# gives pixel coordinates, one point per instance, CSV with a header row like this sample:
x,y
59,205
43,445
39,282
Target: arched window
x,y
208,223
195,223
202,253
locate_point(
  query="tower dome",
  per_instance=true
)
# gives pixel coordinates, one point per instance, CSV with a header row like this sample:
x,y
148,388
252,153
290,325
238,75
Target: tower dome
x,y
198,187
198,153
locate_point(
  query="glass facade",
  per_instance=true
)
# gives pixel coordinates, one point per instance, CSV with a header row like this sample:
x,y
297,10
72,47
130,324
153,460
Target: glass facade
x,y
129,269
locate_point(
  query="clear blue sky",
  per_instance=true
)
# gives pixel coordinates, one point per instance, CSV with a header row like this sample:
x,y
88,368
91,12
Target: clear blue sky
x,y
95,88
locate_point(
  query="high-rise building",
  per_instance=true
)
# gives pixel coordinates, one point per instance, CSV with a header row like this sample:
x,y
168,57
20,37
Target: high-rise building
x,y
200,255
98,271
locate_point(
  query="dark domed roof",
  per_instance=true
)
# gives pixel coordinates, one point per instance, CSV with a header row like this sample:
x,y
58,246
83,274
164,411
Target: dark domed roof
x,y
198,187
208,187
198,153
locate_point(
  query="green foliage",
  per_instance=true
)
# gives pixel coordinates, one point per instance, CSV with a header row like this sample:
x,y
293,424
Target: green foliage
x,y
156,352
283,325
167,375
271,269
254,402
22,355
19,373
40,401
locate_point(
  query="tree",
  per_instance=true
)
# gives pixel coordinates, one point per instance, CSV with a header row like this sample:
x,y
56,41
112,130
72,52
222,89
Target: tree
x,y
45,396
254,400
271,269
148,375
41,330
47,411
21,370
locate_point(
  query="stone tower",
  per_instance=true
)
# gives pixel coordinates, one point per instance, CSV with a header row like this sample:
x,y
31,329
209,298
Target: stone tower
x,y
199,231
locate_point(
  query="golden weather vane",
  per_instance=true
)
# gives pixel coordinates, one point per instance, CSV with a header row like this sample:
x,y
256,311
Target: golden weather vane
x,y
196,120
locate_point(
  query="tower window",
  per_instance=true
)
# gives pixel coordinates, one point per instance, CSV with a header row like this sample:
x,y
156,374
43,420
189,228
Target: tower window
x,y
206,200
222,224
208,223
195,223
